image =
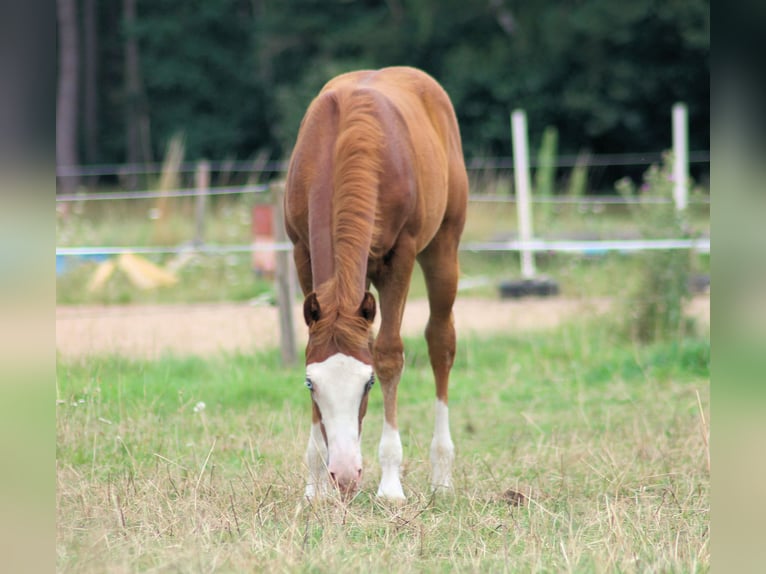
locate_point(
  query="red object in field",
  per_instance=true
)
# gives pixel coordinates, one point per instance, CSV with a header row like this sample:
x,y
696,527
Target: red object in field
x,y
263,236
263,220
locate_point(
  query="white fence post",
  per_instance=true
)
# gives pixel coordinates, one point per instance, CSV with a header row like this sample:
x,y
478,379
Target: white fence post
x,y
680,156
523,200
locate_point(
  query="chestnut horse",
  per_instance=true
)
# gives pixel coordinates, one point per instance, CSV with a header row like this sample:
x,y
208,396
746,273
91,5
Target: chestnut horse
x,y
376,181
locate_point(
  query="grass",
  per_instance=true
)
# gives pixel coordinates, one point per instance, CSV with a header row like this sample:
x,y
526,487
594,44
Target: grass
x,y
606,442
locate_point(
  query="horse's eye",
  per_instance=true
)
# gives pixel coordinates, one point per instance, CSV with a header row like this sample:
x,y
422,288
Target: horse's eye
x,y
309,384
370,383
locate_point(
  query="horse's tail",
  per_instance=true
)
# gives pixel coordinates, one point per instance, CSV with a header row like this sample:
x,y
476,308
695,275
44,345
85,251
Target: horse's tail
x,y
356,176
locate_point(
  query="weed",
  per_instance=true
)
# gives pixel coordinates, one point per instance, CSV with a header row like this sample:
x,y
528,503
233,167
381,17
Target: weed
x,y
654,305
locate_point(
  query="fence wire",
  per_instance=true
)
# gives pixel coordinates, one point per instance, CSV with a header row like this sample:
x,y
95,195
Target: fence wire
x,y
701,245
472,164
477,198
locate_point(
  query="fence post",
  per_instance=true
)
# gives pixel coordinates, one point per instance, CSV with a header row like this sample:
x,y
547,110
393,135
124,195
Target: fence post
x,y
202,180
283,278
523,203
680,156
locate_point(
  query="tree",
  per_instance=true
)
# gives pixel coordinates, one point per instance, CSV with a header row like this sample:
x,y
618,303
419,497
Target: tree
x,y
66,101
90,80
138,143
200,76
235,76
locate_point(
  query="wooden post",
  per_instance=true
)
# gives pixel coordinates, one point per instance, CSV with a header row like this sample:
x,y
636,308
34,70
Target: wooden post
x,y
680,156
523,199
283,278
202,178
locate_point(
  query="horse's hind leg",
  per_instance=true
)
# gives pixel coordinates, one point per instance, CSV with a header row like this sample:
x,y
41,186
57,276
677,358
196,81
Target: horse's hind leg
x,y
440,268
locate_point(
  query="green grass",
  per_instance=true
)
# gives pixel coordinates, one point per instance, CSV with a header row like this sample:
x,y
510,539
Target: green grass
x,y
490,220
607,441
129,222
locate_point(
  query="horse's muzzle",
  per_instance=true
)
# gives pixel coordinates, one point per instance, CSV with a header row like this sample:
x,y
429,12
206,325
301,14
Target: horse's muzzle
x,y
346,480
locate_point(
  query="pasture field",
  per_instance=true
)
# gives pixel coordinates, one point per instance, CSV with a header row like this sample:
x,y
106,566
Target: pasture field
x,y
576,451
230,277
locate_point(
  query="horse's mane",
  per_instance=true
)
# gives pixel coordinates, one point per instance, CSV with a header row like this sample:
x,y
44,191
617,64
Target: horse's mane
x,y
357,168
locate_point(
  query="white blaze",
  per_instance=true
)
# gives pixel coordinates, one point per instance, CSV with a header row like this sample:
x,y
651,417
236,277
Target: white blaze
x,y
338,385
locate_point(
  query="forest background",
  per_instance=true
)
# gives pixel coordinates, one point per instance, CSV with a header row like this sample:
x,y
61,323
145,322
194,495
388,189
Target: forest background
x,y
235,76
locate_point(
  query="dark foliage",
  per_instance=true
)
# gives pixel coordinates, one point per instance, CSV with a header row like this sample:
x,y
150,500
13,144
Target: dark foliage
x,y
236,75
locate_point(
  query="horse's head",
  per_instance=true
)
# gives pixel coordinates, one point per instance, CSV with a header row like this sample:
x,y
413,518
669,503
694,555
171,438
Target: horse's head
x,y
339,374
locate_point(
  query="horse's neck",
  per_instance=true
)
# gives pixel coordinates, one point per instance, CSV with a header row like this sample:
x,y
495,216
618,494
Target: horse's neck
x,y
349,276
348,280
320,234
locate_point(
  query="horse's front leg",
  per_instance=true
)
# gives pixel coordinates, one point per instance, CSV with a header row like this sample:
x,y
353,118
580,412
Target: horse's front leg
x,y
393,282
389,359
318,481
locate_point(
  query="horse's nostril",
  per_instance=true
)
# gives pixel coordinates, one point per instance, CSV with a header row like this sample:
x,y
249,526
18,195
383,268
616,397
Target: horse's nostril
x,y
332,477
359,473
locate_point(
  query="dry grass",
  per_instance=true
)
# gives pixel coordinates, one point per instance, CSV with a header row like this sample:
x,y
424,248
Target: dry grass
x,y
573,455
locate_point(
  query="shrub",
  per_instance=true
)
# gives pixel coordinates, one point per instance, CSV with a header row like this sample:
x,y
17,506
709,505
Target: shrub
x,y
654,306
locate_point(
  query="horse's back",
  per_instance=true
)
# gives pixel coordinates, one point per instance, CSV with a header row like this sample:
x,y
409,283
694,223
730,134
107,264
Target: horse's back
x,y
423,180
416,96
435,152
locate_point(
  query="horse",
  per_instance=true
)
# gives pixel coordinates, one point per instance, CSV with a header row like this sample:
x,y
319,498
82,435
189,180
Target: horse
x,y
376,181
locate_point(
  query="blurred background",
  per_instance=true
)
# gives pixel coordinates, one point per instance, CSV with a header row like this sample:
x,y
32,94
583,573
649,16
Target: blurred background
x,y
175,117
234,77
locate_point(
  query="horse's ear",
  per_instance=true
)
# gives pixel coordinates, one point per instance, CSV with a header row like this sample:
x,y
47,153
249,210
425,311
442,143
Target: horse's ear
x,y
367,308
311,311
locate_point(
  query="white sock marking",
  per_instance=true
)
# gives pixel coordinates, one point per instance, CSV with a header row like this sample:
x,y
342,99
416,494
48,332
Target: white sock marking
x,y
318,480
390,454
442,449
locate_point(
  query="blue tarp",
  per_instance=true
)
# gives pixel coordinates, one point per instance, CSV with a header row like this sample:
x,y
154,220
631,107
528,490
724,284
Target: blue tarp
x,y
65,263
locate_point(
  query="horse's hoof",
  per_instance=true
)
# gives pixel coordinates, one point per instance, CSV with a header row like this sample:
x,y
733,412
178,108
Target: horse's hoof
x,y
393,500
393,495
